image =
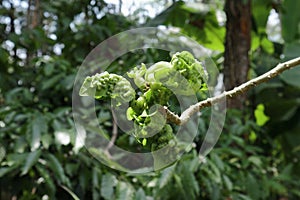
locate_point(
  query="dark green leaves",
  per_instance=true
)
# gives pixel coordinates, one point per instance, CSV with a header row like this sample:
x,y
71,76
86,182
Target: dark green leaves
x,y
57,168
38,126
31,160
290,20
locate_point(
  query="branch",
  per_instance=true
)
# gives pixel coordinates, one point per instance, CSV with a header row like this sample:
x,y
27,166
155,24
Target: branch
x,y
186,115
113,138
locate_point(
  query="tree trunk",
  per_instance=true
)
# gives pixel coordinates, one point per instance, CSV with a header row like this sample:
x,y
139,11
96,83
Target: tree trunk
x,y
237,46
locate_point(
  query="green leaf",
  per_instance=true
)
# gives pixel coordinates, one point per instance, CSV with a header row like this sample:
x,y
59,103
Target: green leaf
x,y
16,158
291,77
140,194
255,160
217,160
267,45
166,176
228,183
291,50
108,183
6,170
278,187
95,177
252,186
290,18
84,179
252,136
260,116
255,41
57,168
4,55
38,126
215,172
96,184
74,196
190,185
52,82
68,81
214,36
46,140
130,113
30,161
261,11
124,191
48,180
137,74
178,183
144,142
2,152
49,69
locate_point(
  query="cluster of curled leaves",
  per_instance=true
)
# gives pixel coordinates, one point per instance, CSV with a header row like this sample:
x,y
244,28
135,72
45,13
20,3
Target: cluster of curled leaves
x,y
183,75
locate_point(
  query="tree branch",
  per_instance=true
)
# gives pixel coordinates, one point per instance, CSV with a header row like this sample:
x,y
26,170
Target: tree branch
x,y
113,137
186,115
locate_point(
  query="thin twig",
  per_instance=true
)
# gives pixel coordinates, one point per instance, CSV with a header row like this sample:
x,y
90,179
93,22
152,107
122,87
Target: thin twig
x,y
113,137
186,115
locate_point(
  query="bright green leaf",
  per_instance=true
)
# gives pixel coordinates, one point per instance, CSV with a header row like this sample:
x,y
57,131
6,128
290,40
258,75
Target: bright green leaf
x,y
267,45
260,116
144,142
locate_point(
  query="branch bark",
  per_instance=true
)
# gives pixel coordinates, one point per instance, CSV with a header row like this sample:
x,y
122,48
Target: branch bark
x,y
186,115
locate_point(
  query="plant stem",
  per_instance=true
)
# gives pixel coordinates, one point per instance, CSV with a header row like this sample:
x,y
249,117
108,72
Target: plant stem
x,y
186,115
113,138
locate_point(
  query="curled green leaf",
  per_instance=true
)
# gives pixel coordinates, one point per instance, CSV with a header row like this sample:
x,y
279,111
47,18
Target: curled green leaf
x,y
137,74
159,72
106,85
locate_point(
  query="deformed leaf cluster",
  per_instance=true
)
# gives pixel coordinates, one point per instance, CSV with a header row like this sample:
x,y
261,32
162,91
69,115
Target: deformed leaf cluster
x,y
183,75
106,85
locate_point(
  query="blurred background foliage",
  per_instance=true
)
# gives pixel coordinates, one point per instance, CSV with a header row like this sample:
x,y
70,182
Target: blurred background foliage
x,y
42,46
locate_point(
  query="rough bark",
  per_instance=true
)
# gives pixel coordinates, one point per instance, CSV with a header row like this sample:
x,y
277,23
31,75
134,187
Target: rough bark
x,y
237,46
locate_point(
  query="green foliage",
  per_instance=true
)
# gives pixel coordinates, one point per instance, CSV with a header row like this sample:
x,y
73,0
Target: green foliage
x,y
40,156
157,85
290,21
260,116
105,85
199,23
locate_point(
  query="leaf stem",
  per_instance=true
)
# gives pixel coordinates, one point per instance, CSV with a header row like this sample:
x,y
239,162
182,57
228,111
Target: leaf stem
x,y
113,138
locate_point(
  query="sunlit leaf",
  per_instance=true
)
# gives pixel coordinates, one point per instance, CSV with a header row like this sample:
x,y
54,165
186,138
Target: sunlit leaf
x,y
260,116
